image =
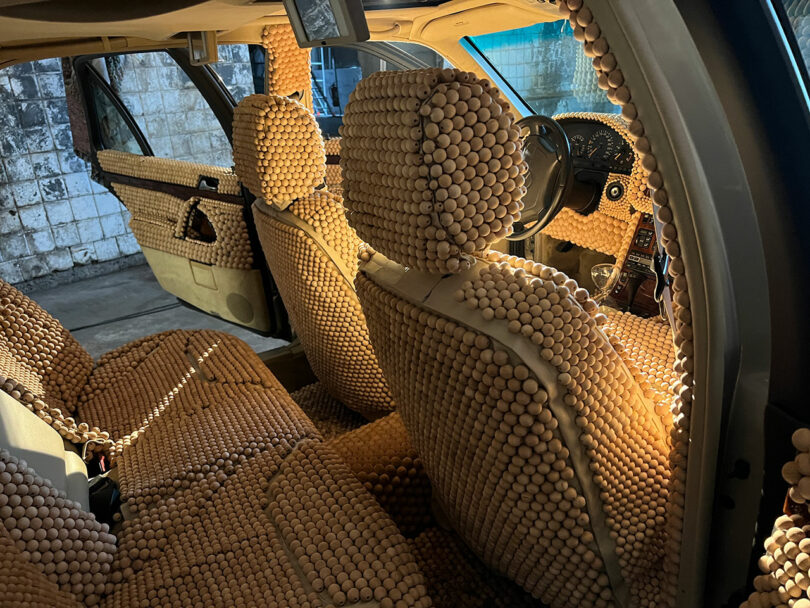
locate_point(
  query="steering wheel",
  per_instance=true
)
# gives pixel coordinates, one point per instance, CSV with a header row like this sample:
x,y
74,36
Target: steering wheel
x,y
547,153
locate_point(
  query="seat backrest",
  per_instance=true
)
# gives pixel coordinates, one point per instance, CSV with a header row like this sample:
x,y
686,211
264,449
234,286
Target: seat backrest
x,y
39,353
310,248
43,367
543,453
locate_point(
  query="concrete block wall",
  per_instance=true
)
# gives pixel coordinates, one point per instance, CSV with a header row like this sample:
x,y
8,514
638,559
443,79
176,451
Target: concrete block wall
x,y
170,110
53,217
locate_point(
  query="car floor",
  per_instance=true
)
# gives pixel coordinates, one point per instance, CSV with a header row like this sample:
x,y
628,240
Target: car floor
x,y
108,311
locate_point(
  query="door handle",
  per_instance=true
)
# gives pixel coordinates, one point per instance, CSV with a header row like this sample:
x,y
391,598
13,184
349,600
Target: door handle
x,y
209,184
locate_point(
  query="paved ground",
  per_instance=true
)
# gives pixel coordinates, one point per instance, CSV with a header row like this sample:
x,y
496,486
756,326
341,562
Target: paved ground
x,y
108,311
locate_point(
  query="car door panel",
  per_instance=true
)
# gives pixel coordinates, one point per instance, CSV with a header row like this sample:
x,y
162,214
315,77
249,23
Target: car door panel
x,y
191,219
195,239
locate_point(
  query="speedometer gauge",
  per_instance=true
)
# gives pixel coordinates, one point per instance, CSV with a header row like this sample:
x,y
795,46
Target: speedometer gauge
x,y
600,146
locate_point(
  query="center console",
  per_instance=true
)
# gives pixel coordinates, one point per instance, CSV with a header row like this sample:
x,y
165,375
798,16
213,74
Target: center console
x,y
635,288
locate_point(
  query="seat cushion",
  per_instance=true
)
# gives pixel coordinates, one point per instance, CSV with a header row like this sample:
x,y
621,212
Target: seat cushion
x,y
382,458
209,430
135,384
286,531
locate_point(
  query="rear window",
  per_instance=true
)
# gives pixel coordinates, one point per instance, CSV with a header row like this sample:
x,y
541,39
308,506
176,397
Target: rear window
x,y
544,66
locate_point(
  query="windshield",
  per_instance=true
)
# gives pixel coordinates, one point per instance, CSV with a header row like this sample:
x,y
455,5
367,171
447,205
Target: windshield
x,y
545,67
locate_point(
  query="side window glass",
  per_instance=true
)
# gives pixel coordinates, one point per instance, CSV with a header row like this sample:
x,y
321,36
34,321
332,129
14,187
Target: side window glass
x,y
335,73
114,132
798,15
545,66
173,115
241,68
337,70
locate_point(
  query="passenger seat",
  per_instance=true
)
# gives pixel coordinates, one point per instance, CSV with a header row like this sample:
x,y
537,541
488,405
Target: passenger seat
x,y
310,248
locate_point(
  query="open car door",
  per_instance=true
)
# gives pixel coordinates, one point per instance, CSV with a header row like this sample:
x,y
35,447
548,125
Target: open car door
x,y
190,214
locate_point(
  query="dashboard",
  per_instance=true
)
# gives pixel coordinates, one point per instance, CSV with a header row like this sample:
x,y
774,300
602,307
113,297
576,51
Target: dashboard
x,y
597,146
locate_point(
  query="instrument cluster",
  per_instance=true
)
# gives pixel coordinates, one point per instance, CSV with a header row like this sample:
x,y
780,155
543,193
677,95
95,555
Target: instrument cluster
x,y
596,146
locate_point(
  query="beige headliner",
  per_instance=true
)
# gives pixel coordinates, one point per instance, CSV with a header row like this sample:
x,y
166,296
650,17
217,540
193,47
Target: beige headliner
x,y
239,21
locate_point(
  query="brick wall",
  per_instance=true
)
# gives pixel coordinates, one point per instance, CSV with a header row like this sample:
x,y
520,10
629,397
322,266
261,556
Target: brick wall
x,y
52,216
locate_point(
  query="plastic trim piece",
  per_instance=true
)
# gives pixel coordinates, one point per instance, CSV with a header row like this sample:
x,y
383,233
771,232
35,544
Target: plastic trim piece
x,y
718,233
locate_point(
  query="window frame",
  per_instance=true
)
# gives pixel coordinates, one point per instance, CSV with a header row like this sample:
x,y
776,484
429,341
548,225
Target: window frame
x,y
205,80
784,30
89,78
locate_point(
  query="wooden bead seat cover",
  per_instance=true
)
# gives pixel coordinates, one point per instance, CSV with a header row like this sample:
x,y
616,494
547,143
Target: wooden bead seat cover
x,y
543,452
287,65
383,459
230,497
310,248
785,565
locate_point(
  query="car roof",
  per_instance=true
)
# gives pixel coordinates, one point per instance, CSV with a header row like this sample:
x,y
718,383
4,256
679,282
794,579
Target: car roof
x,y
39,29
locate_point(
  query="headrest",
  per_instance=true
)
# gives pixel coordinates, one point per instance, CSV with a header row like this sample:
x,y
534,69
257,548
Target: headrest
x,y
432,166
287,64
277,148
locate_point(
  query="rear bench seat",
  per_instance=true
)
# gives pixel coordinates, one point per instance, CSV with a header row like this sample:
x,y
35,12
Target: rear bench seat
x,y
231,497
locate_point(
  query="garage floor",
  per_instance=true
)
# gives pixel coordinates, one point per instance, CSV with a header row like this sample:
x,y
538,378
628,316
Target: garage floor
x,y
108,311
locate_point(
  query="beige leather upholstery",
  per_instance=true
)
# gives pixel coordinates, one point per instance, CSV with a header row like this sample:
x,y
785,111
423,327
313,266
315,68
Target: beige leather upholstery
x,y
28,437
543,453
310,249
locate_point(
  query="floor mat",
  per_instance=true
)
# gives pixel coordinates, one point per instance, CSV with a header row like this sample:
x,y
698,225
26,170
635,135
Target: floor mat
x,y
456,577
330,416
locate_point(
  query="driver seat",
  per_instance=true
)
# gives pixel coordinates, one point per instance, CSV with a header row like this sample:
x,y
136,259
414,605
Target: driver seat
x,y
542,452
